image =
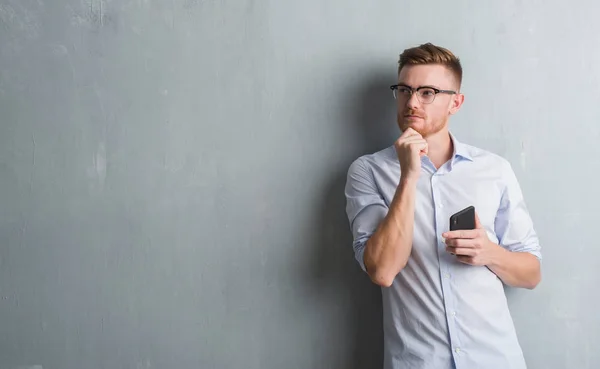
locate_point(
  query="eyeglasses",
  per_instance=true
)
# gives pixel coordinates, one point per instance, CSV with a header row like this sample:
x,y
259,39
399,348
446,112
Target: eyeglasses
x,y
425,94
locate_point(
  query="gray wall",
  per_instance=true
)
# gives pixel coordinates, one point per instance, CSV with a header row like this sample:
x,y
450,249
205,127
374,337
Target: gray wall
x,y
172,172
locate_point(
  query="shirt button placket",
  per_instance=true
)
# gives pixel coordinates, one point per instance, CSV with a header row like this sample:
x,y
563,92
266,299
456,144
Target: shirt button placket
x,y
440,219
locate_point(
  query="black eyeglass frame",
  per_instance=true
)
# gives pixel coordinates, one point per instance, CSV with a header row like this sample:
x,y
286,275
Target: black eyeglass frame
x,y
437,91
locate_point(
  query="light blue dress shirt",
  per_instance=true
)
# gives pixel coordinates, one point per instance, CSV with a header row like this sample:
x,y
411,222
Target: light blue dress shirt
x,y
440,313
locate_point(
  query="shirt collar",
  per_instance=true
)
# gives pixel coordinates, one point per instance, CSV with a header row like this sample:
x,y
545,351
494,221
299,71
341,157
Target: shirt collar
x,y
460,149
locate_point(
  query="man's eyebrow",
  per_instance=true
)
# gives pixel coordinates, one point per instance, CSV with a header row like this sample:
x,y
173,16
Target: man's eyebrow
x,y
409,86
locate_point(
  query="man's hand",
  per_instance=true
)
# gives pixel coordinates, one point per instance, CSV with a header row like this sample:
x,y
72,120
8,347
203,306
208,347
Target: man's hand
x,y
410,146
472,247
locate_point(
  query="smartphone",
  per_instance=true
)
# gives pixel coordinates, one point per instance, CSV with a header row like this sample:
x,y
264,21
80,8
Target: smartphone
x,y
464,219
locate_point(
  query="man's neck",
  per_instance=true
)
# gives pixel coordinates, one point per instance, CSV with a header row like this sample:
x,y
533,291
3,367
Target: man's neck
x,y
440,148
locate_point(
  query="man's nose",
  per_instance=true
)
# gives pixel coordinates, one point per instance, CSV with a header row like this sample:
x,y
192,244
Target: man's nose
x,y
413,101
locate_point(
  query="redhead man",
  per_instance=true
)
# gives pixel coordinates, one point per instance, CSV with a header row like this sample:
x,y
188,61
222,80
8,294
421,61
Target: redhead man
x,y
443,298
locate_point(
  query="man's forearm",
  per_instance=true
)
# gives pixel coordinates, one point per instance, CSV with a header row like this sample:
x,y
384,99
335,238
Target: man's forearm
x,y
516,269
388,249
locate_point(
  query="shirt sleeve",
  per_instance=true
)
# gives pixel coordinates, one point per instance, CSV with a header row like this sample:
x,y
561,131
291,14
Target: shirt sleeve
x,y
365,207
513,224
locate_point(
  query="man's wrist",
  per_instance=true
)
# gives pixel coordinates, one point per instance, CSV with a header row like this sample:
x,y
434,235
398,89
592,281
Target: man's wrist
x,y
497,255
408,181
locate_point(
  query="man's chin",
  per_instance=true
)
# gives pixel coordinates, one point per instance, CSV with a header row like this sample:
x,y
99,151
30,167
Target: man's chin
x,y
404,125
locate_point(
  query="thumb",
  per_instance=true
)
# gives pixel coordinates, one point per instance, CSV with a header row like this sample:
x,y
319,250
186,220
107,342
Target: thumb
x,y
478,224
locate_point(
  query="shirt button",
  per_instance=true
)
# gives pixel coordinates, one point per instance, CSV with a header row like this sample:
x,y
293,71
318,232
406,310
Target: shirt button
x,y
440,206
446,275
457,350
454,313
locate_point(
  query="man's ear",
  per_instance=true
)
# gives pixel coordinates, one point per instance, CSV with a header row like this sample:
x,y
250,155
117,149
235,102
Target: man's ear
x,y
457,102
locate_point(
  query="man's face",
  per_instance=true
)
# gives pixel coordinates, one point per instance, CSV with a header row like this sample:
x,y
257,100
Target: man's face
x,y
427,118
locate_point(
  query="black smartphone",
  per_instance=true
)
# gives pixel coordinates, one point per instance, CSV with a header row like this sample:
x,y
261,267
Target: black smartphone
x,y
464,219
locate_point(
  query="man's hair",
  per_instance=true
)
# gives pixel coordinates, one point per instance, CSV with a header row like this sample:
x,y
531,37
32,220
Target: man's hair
x,y
431,54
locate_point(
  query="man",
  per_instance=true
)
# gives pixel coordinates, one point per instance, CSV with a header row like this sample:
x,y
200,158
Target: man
x,y
443,298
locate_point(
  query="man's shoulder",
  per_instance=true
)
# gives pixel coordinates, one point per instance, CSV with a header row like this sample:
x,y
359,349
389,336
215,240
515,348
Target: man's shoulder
x,y
375,159
486,157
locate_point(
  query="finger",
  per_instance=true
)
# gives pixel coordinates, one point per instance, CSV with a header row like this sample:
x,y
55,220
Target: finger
x,y
462,242
410,132
416,144
465,259
412,138
416,141
421,147
460,251
404,142
463,233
